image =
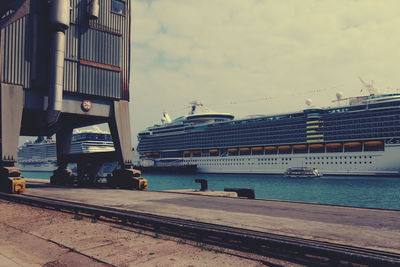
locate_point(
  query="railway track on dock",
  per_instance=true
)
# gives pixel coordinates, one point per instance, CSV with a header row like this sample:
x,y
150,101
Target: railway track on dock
x,y
304,251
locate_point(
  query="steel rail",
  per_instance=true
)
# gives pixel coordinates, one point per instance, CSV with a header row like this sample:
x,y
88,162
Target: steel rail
x,y
310,252
249,232
243,231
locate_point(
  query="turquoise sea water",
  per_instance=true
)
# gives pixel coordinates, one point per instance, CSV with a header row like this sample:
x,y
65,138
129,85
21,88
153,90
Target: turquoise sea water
x,y
372,192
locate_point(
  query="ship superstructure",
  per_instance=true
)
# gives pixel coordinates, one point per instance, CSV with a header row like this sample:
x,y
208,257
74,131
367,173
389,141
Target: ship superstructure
x,y
360,138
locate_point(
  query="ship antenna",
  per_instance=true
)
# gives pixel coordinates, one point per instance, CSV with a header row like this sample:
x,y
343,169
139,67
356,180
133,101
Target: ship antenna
x,y
372,90
196,106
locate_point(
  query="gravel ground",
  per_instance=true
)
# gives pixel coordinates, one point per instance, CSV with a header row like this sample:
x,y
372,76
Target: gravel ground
x,y
31,236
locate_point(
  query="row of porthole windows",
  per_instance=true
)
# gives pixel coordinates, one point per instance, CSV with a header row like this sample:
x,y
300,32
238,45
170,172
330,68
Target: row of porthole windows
x,y
230,164
344,162
340,157
219,160
283,159
247,164
286,163
233,160
272,161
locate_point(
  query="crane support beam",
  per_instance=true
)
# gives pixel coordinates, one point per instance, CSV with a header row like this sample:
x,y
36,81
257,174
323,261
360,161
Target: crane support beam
x,y
121,133
11,116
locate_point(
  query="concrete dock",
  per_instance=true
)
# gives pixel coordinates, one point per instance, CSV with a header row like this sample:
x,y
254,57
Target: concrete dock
x,y
370,228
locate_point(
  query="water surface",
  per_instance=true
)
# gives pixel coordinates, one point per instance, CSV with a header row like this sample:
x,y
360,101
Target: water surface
x,y
372,192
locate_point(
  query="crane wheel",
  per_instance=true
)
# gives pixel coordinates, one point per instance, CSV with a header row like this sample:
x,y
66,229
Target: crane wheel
x,y
128,179
11,180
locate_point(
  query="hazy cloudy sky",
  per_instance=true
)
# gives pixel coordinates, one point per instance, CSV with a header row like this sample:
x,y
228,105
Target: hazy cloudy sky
x,y
258,56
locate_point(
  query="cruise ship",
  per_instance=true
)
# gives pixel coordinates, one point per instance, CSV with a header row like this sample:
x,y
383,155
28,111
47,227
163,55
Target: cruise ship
x,y
360,137
40,155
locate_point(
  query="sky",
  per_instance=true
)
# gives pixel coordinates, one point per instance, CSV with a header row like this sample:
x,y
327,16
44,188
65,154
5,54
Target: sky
x,y
250,57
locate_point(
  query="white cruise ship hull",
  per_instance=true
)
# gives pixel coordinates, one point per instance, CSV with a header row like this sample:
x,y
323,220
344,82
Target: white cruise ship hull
x,y
343,163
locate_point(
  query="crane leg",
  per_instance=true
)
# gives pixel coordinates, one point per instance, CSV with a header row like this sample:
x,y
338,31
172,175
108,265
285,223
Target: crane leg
x,y
124,176
11,104
62,175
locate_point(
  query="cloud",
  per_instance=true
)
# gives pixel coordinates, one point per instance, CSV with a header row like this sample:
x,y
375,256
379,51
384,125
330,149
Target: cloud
x,y
234,50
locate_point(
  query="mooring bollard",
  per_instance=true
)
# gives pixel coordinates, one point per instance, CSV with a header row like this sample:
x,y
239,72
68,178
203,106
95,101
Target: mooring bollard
x,y
204,184
242,192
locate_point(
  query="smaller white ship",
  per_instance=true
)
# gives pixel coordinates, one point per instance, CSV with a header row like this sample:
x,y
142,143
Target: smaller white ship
x,y
302,172
41,155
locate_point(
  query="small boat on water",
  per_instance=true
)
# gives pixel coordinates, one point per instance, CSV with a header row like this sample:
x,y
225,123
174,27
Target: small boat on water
x,y
302,172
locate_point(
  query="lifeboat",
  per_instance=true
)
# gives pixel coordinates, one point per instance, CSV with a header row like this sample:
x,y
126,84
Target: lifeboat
x,y
283,147
316,146
373,143
269,148
213,150
186,152
149,154
232,150
334,145
300,147
352,144
196,152
257,148
156,154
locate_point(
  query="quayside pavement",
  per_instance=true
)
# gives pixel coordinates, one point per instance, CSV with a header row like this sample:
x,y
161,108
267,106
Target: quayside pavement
x,y
369,228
